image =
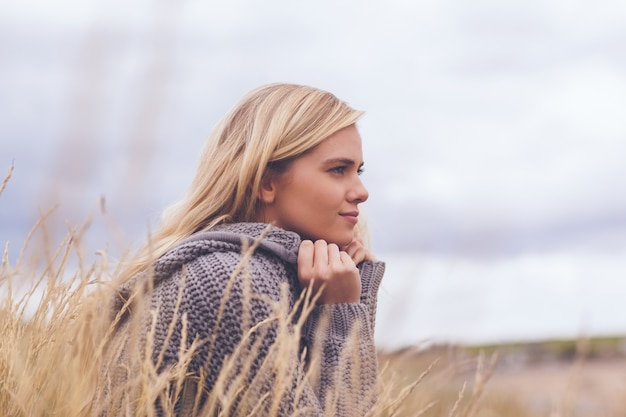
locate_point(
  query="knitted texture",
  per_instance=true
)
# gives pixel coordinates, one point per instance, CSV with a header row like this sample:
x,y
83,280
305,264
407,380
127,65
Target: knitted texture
x,y
229,305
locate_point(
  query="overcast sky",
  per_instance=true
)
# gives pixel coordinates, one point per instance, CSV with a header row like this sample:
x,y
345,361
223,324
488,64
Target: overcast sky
x,y
495,131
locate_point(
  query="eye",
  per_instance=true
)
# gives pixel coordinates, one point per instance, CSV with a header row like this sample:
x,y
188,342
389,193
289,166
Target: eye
x,y
338,170
360,171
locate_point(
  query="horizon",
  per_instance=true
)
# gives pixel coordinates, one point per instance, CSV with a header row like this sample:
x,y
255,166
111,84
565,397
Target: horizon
x,y
493,133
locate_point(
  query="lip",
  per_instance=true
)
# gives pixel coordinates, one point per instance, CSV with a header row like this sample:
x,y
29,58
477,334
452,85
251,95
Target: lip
x,y
351,216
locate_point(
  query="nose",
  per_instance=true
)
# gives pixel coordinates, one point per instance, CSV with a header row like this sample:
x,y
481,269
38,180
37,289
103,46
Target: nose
x,y
358,193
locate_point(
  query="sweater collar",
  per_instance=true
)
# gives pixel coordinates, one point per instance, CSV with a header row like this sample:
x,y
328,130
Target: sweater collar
x,y
283,243
233,236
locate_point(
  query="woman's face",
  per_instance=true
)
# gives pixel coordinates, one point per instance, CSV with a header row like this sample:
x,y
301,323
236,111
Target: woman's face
x,y
319,193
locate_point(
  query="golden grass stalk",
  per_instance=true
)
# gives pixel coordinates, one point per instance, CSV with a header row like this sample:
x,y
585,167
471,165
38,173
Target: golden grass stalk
x,y
58,336
7,177
61,345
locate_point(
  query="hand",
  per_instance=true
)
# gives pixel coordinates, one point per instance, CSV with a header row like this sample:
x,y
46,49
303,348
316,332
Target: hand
x,y
358,251
322,264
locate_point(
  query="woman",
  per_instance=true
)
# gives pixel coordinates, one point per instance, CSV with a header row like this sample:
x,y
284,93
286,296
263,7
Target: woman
x,y
272,214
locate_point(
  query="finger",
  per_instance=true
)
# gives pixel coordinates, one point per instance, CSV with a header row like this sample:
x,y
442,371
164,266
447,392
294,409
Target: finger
x,y
305,260
349,248
333,255
320,255
305,253
346,259
353,249
356,250
358,255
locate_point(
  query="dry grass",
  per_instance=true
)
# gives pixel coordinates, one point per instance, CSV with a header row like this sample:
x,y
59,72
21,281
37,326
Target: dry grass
x,y
57,337
585,386
62,354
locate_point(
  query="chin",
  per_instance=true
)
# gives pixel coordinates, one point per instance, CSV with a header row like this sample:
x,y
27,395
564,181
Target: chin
x,y
339,239
342,241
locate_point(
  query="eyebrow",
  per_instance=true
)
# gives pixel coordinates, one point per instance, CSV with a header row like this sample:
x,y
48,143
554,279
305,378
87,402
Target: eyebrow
x,y
344,161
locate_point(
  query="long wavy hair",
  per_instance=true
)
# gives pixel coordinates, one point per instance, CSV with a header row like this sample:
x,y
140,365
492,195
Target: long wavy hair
x,y
267,129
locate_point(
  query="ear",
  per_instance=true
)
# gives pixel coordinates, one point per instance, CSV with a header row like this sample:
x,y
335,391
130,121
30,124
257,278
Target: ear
x,y
267,189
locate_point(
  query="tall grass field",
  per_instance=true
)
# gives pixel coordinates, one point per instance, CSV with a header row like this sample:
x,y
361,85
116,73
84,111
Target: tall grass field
x,y
58,343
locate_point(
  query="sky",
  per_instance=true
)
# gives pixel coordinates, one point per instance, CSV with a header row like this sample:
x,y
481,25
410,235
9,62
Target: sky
x,y
494,137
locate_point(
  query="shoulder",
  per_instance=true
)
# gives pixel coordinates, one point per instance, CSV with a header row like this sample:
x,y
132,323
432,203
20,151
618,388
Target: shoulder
x,y
205,270
245,239
208,261
239,261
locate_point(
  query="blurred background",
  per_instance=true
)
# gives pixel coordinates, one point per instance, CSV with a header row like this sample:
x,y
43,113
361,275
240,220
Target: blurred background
x,y
494,139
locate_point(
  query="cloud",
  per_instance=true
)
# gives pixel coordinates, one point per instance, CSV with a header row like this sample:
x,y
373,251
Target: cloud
x,y
455,299
486,122
493,139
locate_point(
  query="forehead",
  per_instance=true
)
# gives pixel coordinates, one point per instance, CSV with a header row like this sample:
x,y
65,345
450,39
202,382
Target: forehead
x,y
345,143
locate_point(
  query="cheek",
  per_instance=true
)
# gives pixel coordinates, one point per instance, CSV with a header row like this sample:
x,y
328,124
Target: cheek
x,y
314,192
324,195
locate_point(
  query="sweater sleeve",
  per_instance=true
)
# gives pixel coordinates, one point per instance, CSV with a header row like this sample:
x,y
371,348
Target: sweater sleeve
x,y
342,336
342,341
248,350
371,276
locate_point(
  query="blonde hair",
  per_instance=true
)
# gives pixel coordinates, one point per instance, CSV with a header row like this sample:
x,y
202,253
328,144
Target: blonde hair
x,y
269,127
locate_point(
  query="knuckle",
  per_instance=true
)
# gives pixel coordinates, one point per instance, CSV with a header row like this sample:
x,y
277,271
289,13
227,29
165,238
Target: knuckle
x,y
348,269
326,275
305,276
306,244
320,243
323,274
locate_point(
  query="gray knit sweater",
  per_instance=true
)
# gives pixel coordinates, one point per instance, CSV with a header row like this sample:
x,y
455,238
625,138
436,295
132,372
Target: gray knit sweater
x,y
220,308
